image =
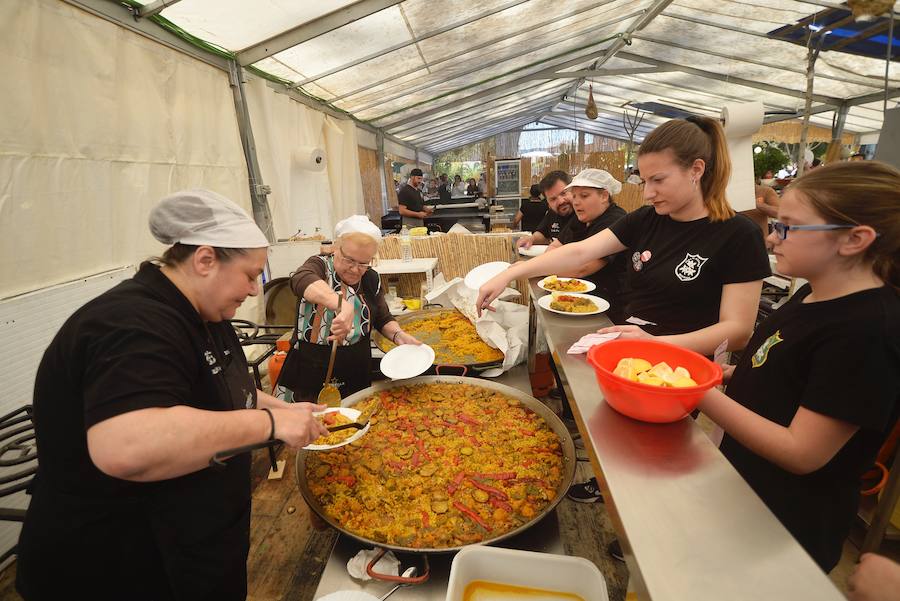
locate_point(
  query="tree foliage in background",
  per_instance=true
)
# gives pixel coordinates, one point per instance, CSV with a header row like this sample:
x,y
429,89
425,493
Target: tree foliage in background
x,y
770,159
466,162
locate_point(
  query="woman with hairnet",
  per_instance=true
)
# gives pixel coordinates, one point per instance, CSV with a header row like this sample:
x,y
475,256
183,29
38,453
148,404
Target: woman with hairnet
x,y
341,298
138,390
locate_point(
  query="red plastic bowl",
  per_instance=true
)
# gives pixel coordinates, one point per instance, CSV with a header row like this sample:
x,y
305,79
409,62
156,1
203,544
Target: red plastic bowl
x,y
643,401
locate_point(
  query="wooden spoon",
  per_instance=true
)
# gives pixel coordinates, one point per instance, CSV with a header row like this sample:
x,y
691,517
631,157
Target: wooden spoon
x,y
329,394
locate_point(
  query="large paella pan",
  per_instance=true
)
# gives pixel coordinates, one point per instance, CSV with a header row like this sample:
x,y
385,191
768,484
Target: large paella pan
x,y
451,335
448,461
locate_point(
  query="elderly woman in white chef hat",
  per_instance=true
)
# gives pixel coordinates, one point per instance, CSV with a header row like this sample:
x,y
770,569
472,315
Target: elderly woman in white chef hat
x,y
341,298
137,391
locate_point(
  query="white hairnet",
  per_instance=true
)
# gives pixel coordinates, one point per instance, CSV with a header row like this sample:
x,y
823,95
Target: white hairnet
x,y
201,217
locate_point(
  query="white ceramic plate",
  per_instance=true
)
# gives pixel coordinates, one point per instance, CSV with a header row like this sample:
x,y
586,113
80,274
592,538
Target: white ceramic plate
x,y
590,285
534,251
476,278
348,412
602,305
407,361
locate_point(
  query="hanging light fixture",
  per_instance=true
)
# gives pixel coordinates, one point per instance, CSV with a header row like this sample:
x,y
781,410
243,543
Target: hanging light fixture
x,y
591,110
869,10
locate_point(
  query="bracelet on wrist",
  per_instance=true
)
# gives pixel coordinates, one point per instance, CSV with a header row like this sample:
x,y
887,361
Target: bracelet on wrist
x,y
394,337
271,421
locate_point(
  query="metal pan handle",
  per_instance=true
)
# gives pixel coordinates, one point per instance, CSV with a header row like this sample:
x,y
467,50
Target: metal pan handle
x,y
370,570
437,369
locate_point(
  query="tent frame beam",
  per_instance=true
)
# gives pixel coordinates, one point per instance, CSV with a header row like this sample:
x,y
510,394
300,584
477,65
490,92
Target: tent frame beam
x,y
415,39
155,7
123,16
733,80
312,29
473,112
479,67
588,73
481,46
875,83
651,13
262,214
487,93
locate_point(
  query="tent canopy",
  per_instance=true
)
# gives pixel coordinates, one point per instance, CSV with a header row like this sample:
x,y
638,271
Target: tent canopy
x,y
441,74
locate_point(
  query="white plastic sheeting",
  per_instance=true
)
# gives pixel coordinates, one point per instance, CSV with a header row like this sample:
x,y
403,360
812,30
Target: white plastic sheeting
x,y
438,74
92,138
302,199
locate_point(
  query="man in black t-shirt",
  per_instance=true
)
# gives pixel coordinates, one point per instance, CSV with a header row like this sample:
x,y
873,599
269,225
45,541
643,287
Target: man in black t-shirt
x,y
560,212
591,194
412,205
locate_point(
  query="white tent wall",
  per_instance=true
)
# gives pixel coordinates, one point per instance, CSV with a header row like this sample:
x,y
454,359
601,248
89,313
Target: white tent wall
x,y
99,124
302,199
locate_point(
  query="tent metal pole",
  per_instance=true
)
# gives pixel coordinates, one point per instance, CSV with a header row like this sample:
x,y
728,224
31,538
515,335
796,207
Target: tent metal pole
x,y
379,142
258,190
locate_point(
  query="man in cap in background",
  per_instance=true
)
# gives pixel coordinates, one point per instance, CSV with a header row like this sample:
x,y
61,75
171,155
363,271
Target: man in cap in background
x,y
412,206
138,390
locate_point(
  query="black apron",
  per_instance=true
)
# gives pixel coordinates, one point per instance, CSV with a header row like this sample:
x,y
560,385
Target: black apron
x,y
306,365
142,551
211,564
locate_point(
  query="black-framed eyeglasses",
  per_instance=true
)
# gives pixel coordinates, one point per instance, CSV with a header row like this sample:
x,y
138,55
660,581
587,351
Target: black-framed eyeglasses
x,y
782,229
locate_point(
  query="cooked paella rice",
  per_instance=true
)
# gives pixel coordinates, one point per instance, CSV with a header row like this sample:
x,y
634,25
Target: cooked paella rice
x,y
453,338
443,465
334,418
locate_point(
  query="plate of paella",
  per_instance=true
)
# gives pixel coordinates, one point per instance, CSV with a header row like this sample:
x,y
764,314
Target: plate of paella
x,y
337,416
445,464
571,303
553,283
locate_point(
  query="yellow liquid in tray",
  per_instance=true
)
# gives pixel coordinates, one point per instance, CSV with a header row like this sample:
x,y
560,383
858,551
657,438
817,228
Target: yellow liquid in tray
x,y
481,590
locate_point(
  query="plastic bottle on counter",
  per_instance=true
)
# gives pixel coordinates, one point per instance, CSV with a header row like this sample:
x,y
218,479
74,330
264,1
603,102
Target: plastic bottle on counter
x,y
405,245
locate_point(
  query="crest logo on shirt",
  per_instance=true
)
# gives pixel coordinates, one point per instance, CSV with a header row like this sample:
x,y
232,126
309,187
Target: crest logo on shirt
x,y
762,353
690,267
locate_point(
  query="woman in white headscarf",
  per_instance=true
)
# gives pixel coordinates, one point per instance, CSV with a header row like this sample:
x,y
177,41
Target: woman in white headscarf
x,y
325,283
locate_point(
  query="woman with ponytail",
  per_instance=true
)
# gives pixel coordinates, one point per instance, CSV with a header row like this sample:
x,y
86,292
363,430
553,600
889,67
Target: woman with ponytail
x,y
812,400
695,269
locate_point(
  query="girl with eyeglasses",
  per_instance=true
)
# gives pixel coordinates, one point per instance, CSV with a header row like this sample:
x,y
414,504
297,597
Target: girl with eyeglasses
x,y
816,393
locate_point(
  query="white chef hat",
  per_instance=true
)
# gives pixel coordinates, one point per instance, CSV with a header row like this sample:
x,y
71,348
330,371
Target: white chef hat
x,y
596,178
357,223
201,217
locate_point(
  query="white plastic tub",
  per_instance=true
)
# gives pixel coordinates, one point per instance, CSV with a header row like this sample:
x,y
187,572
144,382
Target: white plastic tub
x,y
558,573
